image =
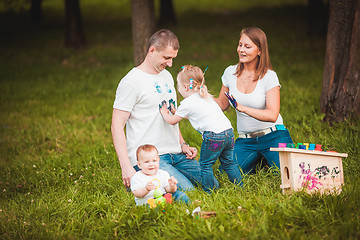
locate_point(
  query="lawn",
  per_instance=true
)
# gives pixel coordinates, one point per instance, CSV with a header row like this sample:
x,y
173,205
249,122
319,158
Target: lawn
x,y
60,176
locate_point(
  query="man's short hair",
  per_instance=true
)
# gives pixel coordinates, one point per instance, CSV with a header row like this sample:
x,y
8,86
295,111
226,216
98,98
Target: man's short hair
x,y
162,39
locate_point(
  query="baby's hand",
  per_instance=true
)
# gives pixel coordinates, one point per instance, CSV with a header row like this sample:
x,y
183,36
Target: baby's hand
x,y
150,186
172,181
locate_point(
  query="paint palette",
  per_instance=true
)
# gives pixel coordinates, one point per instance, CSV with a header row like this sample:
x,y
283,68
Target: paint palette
x,y
311,171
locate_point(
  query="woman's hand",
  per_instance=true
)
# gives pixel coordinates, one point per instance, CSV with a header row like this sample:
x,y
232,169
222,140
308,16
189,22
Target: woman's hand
x,y
270,113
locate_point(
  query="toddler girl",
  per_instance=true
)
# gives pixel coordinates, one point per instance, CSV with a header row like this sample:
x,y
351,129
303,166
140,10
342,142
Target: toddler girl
x,y
207,118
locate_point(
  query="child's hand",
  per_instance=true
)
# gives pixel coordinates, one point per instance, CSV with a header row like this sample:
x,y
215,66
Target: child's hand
x,y
172,181
163,108
172,107
150,186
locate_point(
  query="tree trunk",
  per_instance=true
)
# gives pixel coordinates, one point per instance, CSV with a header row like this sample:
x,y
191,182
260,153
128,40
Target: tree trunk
x,y
167,13
36,11
143,26
340,95
74,37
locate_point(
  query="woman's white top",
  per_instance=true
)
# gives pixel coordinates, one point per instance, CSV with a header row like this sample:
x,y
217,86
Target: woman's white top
x,y
255,99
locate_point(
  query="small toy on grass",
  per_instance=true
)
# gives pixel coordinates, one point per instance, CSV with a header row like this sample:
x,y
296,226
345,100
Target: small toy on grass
x,y
206,214
159,199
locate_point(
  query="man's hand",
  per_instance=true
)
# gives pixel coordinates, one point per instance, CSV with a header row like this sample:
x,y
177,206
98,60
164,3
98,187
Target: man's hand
x,y
127,173
190,152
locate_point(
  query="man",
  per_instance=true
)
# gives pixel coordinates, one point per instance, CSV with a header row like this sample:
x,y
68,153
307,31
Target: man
x,y
137,105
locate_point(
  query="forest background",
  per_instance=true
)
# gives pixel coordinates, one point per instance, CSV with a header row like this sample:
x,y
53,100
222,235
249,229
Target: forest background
x,y
60,177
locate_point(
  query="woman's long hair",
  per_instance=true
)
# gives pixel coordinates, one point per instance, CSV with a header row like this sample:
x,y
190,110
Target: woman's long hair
x,y
258,37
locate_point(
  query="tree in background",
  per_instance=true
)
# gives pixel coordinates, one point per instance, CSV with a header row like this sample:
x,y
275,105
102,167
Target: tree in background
x,y
317,17
340,96
74,36
143,26
36,11
167,14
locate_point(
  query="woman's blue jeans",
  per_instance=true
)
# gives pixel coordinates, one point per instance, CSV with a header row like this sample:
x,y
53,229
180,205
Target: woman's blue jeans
x,y
217,146
248,152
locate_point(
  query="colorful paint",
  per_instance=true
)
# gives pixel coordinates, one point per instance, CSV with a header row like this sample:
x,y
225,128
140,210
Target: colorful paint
x,y
308,179
157,87
322,171
314,179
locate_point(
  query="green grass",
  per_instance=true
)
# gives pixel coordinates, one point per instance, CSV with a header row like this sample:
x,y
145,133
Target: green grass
x,y
60,177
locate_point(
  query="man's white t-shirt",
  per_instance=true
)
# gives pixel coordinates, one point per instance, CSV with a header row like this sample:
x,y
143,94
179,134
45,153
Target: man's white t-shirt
x,y
203,114
255,99
139,180
140,94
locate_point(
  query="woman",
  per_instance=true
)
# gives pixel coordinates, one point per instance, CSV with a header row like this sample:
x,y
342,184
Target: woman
x,y
256,90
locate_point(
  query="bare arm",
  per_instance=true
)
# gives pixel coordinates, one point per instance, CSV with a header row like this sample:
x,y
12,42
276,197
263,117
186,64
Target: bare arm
x,y
190,152
222,100
119,119
271,112
170,119
142,192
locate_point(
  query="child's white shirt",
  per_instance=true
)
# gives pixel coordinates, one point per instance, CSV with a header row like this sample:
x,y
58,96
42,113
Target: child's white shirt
x,y
204,114
139,180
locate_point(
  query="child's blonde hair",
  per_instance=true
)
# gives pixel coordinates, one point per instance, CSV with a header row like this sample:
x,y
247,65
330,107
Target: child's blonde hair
x,y
194,76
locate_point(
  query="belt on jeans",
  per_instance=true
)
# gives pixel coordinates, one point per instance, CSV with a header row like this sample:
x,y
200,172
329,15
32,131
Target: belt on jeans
x,y
258,133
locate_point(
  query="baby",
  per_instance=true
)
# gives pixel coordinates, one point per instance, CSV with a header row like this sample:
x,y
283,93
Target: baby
x,y
151,178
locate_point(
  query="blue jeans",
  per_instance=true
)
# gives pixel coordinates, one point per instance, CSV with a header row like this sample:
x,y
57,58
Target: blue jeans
x,y
217,146
180,196
186,171
248,152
